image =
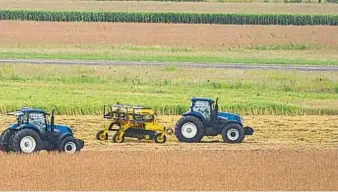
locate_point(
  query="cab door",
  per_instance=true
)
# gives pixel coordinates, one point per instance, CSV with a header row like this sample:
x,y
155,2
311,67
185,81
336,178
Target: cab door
x,y
204,108
38,120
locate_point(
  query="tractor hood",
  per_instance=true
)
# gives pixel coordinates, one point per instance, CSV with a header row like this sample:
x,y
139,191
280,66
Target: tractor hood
x,y
57,127
230,117
62,129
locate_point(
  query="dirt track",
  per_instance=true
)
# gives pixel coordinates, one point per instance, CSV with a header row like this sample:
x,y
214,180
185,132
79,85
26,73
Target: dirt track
x,y
182,35
181,64
173,170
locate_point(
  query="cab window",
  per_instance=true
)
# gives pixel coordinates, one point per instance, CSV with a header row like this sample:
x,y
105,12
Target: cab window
x,y
37,119
202,107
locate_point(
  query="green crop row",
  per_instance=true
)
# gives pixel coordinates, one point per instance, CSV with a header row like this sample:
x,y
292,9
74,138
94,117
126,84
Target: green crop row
x,y
145,17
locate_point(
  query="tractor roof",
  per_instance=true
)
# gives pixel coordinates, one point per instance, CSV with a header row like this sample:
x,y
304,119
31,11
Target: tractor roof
x,y
30,110
194,99
21,111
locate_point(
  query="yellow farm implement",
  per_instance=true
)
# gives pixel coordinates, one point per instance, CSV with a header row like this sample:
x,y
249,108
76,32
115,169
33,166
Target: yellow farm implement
x,y
132,121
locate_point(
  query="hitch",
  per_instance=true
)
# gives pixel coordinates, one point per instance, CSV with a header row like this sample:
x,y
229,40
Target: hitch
x,y
170,131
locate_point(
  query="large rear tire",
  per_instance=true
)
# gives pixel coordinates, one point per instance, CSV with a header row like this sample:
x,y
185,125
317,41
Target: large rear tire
x,y
189,129
26,141
6,138
233,133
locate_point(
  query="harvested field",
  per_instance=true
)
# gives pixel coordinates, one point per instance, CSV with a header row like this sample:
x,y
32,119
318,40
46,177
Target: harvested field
x,y
179,35
172,6
271,132
286,153
173,170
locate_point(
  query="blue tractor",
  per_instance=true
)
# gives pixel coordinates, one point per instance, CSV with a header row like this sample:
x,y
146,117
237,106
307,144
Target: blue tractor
x,y
32,133
204,119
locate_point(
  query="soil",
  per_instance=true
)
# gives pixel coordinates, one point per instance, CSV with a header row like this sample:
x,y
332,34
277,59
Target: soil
x,y
153,6
177,35
173,170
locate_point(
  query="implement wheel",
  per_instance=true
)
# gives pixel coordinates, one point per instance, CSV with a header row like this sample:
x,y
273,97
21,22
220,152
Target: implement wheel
x,y
159,138
117,138
101,135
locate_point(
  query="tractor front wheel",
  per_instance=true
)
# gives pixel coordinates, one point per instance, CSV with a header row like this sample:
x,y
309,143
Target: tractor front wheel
x,y
189,129
69,145
101,135
159,138
117,138
26,141
233,133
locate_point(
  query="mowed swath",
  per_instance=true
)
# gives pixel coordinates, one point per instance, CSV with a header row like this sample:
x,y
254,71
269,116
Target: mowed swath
x,y
149,6
182,35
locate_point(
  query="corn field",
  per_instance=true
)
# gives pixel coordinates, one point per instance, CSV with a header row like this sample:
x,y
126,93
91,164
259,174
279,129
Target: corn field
x,y
192,18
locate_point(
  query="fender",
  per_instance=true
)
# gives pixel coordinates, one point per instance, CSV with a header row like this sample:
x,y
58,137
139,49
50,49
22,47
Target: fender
x,y
195,114
247,130
61,137
27,126
228,122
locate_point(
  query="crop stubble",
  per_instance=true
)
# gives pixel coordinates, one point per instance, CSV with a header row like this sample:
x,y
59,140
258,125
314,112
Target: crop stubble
x,y
271,132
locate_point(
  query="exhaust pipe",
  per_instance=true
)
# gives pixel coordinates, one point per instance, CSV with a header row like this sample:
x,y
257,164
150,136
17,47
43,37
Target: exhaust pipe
x,y
52,121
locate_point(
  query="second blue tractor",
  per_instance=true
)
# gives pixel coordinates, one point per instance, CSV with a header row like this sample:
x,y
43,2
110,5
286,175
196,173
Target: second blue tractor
x,y
204,119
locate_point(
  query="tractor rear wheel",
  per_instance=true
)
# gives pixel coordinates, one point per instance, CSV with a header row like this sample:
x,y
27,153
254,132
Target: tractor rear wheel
x,y
26,141
189,129
5,139
233,133
101,135
117,138
69,145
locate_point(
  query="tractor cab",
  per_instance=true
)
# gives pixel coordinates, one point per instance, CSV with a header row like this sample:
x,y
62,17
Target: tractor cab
x,y
207,107
27,116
